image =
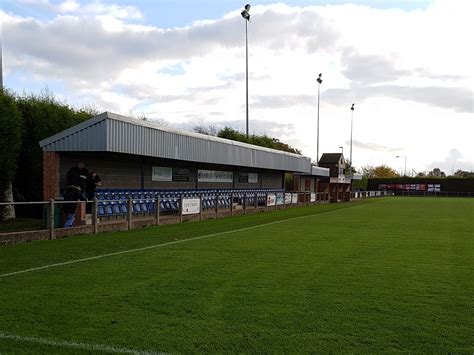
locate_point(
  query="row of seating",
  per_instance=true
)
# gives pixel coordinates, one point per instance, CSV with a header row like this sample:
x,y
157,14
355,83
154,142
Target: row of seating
x,y
113,203
153,194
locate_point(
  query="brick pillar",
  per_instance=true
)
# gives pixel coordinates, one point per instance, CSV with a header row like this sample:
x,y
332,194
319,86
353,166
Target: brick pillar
x,y
50,175
296,182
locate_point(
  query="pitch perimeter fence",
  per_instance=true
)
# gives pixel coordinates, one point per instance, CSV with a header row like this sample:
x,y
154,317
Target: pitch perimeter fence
x,y
432,193
127,214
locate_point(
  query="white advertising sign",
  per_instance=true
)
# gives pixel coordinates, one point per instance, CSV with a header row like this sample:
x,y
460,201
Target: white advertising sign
x,y
287,198
215,176
161,173
294,198
280,198
253,178
191,206
313,197
271,200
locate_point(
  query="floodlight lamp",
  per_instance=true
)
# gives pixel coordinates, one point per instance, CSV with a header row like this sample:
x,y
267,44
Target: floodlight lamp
x,y
245,13
352,108
319,80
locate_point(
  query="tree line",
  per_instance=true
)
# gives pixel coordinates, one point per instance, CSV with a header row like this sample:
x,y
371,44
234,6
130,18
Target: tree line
x,y
235,135
25,120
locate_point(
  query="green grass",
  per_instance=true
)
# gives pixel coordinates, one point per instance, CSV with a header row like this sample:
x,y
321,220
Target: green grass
x,y
20,224
383,275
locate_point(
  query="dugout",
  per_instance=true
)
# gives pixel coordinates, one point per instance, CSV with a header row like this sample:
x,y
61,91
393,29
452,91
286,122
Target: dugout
x,y
310,182
130,153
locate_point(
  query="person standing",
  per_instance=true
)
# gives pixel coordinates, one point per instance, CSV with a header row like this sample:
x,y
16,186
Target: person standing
x,y
92,183
78,176
72,193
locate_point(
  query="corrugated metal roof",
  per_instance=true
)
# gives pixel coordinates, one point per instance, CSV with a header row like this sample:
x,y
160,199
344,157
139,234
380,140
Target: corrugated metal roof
x,y
319,171
109,132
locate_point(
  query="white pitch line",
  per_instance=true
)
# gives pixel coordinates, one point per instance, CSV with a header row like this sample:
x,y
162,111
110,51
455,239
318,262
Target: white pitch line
x,y
175,242
74,345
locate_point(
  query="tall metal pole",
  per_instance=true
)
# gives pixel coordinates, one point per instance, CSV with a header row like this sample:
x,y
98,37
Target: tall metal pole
x,y
319,80
246,16
1,45
246,81
352,120
405,169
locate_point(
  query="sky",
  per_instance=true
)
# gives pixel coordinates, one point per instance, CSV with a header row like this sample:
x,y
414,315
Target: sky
x,y
407,66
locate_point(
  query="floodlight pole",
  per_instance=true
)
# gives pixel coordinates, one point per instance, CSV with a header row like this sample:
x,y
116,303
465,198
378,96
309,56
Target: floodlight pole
x,y
352,120
246,81
1,53
319,80
405,170
246,16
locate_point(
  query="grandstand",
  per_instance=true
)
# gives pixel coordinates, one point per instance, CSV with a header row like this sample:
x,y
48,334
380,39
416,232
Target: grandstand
x,y
148,162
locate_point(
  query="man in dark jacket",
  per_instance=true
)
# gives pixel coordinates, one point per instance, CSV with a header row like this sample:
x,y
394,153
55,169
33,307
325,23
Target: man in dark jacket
x,y
92,183
78,176
72,193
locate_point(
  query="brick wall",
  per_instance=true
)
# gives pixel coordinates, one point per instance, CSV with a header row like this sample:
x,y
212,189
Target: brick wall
x,y
124,171
51,172
272,180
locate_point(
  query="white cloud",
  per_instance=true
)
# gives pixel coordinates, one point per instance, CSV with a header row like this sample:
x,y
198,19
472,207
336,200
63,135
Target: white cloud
x,y
88,9
411,78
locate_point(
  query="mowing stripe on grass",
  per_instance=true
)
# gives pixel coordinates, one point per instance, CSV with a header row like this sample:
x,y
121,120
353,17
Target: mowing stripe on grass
x,y
74,345
174,242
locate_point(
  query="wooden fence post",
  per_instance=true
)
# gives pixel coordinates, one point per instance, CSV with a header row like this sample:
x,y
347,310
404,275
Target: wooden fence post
x,y
129,212
94,215
52,234
200,207
157,210
245,203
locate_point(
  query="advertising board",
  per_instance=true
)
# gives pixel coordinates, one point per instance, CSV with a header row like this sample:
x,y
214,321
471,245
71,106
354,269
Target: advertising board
x,y
191,206
271,200
161,173
294,198
280,198
215,176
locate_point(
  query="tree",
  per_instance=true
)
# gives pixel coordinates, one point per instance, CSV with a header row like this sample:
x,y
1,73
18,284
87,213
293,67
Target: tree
x,y
464,174
262,141
350,170
43,115
210,131
381,171
10,140
437,173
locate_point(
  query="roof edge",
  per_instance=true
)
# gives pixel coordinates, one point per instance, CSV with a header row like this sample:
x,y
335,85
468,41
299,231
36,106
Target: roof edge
x,y
155,125
68,131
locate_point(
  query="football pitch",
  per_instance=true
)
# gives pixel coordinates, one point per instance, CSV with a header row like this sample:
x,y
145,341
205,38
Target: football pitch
x,y
380,275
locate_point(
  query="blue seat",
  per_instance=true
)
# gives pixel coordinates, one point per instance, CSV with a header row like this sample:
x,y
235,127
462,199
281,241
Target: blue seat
x,y
151,207
136,208
116,209
109,210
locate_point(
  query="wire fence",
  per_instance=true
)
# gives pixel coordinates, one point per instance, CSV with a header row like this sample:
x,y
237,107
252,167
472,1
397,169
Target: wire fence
x,y
92,217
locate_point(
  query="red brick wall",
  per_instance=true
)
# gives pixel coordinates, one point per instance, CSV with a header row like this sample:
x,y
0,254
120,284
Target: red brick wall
x,y
50,175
